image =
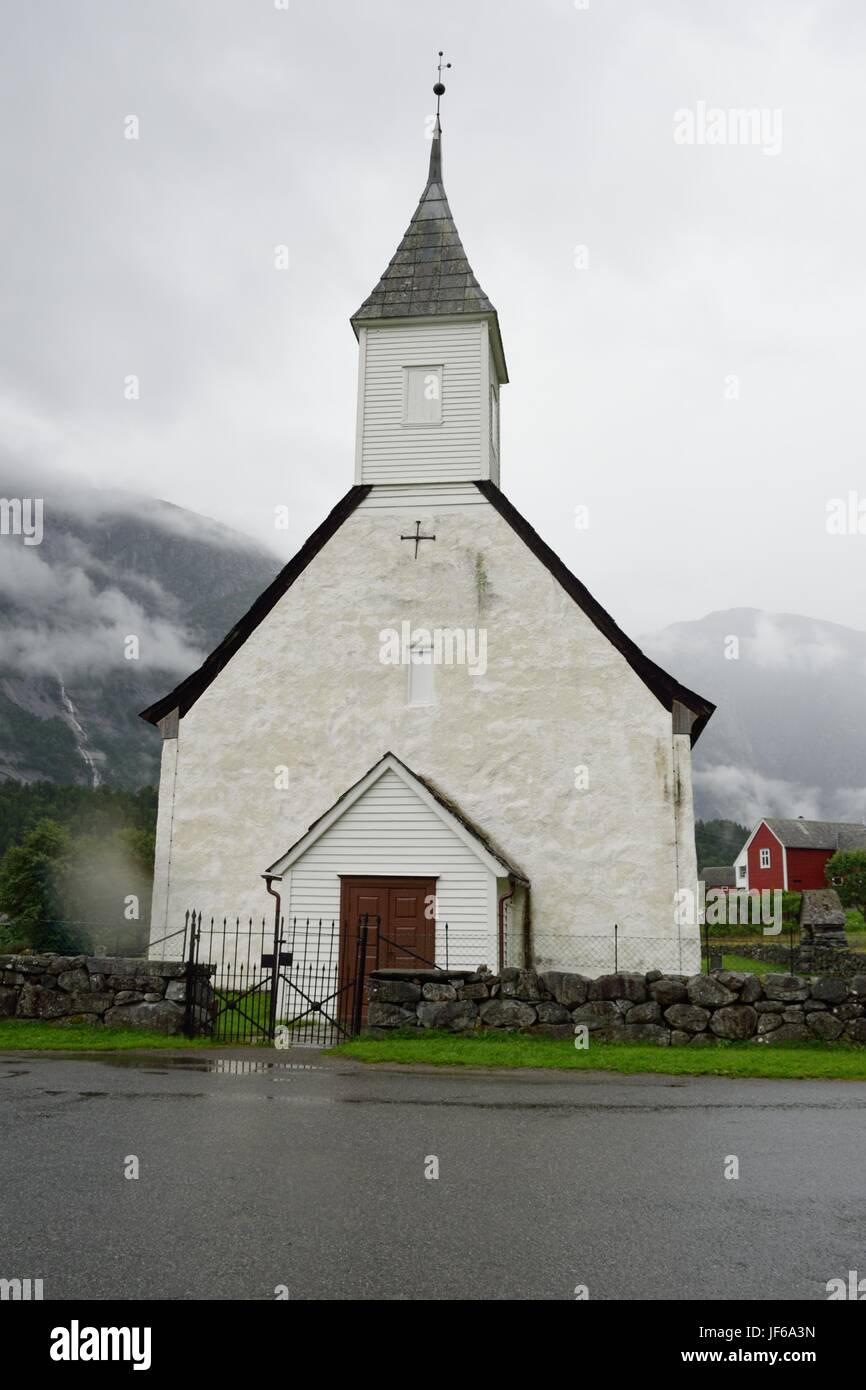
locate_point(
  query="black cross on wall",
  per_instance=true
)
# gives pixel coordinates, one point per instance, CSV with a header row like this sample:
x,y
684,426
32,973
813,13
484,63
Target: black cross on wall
x,y
417,538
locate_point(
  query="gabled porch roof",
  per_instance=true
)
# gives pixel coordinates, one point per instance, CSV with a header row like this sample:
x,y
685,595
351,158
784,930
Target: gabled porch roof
x,y
465,829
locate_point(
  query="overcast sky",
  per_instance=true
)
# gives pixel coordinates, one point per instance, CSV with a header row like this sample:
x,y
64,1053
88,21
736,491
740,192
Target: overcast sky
x,y
306,125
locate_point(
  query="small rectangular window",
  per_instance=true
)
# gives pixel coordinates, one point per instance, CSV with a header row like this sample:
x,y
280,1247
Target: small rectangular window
x,y
422,395
741,870
765,859
421,675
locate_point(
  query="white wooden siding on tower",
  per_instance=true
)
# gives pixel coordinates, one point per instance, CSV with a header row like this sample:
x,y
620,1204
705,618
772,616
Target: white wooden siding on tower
x,y
434,497
389,831
390,451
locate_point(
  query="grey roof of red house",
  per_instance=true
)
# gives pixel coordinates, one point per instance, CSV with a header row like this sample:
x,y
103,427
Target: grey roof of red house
x,y
664,687
429,273
719,876
819,834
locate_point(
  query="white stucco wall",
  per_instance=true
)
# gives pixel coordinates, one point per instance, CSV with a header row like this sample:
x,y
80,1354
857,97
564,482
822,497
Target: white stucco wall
x,y
307,691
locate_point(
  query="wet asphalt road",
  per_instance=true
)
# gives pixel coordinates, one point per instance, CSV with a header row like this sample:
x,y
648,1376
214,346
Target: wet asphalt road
x,y
310,1174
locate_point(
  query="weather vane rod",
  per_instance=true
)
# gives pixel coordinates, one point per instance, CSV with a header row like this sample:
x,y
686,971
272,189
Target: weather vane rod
x,y
439,87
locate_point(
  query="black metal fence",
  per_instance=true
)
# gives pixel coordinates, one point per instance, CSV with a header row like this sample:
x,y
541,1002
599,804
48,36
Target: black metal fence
x,y
285,983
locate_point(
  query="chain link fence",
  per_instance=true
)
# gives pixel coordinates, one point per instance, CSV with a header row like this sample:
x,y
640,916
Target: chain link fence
x,y
618,951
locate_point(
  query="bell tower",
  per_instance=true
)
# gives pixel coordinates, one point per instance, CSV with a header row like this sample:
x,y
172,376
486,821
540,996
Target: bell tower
x,y
431,360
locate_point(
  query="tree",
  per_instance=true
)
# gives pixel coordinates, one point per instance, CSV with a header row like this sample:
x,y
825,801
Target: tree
x,y
719,841
846,872
29,888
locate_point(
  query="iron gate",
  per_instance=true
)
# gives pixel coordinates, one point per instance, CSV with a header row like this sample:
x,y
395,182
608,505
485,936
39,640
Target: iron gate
x,y
287,983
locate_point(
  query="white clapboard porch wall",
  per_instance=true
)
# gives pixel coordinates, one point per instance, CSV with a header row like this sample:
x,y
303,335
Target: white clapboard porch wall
x,y
390,831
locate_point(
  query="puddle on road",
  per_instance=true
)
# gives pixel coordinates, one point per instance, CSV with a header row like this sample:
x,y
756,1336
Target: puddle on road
x,y
214,1066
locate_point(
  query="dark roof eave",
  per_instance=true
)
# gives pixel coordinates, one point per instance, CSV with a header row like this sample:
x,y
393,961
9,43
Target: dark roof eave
x,y
665,688
184,695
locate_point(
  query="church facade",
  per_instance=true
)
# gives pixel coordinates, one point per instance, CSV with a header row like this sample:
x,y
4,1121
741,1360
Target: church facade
x,y
427,718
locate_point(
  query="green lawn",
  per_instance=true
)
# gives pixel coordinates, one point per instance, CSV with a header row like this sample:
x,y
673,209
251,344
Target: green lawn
x,y
751,967
822,1060
83,1037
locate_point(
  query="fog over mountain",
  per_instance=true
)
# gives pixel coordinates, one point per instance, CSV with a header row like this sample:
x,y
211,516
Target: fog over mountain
x,y
110,567
789,735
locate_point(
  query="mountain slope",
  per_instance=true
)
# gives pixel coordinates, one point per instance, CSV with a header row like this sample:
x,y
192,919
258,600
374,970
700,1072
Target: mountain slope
x,y
789,735
122,597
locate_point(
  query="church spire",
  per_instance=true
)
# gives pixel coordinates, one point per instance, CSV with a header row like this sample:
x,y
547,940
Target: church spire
x,y
435,172
429,275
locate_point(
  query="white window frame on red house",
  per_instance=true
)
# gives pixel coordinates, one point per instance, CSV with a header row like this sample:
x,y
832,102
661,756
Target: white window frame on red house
x,y
765,858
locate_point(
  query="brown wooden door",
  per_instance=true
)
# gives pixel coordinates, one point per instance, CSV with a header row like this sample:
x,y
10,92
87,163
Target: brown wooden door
x,y
403,938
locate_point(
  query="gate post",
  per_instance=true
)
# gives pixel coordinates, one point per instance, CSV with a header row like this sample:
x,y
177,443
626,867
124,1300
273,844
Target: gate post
x,y
275,975
359,977
189,1027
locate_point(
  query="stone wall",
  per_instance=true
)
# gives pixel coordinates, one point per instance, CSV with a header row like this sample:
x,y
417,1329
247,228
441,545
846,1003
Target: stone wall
x,y
807,958
654,1008
114,991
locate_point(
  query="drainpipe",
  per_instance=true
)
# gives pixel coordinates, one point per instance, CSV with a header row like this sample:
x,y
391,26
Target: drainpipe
x,y
270,879
506,897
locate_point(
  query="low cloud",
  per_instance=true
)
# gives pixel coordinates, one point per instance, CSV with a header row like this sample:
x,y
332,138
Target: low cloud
x,y
67,616
741,793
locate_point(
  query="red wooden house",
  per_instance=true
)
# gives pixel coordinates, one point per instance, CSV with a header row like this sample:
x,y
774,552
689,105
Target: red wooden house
x,y
791,854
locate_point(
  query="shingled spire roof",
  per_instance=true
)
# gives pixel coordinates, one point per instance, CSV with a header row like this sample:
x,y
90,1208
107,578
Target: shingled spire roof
x,y
429,274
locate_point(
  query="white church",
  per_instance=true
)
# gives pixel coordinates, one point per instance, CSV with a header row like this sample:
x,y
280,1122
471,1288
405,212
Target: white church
x,y
426,717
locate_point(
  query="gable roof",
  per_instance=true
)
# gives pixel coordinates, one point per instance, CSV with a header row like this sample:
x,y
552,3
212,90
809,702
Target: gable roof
x,y
184,695
719,876
664,687
818,834
429,274
480,844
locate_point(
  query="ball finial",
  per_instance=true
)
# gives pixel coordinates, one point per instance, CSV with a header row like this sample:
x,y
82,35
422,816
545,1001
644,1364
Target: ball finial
x,y
439,87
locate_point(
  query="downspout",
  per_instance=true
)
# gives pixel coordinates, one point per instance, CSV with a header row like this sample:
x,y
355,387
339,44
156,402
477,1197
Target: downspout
x,y
278,942
506,897
269,879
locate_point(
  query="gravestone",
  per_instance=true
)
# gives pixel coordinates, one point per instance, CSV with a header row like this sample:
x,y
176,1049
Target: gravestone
x,y
822,922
